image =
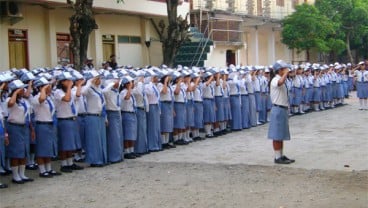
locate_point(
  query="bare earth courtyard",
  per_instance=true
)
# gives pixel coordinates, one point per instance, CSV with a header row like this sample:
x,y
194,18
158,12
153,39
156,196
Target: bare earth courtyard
x,y
236,170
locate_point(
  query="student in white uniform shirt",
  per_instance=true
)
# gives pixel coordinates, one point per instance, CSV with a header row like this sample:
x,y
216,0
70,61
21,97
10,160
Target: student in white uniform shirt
x,y
17,128
67,125
96,120
361,79
209,116
219,103
279,122
129,117
153,116
180,111
45,117
198,107
114,128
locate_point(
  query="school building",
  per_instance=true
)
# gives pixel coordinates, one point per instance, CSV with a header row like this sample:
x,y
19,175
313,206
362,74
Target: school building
x,y
36,33
247,32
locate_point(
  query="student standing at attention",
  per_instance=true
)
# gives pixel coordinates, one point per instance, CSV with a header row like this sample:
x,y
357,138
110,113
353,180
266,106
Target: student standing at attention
x,y
279,124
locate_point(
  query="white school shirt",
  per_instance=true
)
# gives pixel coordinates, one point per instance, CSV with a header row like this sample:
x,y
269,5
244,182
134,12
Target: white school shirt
x,y
4,105
189,95
165,96
234,87
361,76
279,94
306,81
80,102
322,81
208,91
333,76
227,90
264,84
182,96
112,97
298,81
289,83
64,109
248,84
197,93
140,96
153,94
127,105
317,82
243,86
256,84
17,113
219,91
43,111
94,102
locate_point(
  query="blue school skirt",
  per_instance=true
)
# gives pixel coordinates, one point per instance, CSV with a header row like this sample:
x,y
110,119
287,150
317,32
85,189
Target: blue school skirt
x,y
180,118
190,114
316,94
236,113
140,145
298,96
198,112
129,121
209,115
96,147
68,135
340,91
2,145
324,94
18,141
362,90
153,128
82,130
252,110
114,136
227,108
350,83
258,98
329,92
220,116
46,137
167,117
245,111
308,96
279,124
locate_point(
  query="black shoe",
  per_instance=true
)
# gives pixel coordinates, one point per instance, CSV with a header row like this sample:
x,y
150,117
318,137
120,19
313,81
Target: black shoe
x,y
282,161
96,165
3,185
166,146
32,167
65,169
287,159
152,151
5,173
129,156
54,173
17,182
196,139
45,175
118,161
137,155
181,142
171,145
210,136
80,160
27,180
76,167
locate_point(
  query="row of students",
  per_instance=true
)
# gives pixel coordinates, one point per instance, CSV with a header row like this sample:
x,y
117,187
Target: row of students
x,y
112,115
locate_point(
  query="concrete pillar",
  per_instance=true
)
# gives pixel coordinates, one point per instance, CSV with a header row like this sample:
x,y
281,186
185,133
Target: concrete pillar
x,y
95,49
256,46
271,47
51,60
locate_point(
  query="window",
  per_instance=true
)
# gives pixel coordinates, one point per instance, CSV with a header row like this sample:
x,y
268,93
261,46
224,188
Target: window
x,y
280,3
129,39
63,50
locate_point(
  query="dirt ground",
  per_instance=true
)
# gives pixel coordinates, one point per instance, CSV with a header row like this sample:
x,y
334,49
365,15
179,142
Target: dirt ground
x,y
235,170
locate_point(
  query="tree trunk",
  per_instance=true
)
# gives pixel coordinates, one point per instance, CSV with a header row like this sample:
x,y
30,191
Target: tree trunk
x,y
82,23
308,55
350,56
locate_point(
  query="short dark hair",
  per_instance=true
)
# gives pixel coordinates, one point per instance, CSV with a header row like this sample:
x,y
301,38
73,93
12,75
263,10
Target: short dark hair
x,y
112,55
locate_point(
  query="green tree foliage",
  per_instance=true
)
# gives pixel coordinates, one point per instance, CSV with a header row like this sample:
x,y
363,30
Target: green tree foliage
x,y
308,29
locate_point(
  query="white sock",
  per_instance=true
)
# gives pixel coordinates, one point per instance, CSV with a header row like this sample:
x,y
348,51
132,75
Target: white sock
x,y
64,163
163,138
48,167
15,171
175,138
366,103
207,129
361,103
278,154
42,168
69,161
22,169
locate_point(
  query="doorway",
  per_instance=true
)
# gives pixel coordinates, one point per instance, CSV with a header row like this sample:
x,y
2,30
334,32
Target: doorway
x,y
108,46
18,49
230,57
